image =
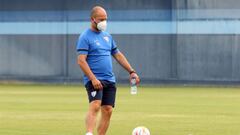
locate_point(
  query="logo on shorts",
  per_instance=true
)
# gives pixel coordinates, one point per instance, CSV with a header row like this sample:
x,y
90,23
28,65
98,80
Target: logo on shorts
x,y
93,93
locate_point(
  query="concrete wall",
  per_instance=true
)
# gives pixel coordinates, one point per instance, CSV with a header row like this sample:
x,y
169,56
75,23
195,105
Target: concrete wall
x,y
32,47
208,4
208,56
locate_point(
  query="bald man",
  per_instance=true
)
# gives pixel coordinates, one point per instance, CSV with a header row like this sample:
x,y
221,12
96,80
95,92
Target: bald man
x,y
95,47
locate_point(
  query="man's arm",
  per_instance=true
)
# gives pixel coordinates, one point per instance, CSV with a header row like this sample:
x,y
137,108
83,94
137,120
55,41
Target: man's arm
x,y
121,59
87,71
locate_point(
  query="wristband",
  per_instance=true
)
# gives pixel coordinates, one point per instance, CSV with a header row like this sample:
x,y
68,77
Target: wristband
x,y
133,71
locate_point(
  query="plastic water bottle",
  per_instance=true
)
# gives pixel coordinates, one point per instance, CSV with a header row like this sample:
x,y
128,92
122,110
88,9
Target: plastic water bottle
x,y
133,86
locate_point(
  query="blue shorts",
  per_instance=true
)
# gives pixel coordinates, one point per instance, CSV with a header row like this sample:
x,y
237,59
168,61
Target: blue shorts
x,y
107,95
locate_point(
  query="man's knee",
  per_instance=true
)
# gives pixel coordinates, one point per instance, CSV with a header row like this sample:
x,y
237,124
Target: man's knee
x,y
107,109
95,106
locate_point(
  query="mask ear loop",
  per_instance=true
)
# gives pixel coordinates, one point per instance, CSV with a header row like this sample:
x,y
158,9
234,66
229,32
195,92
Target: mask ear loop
x,y
95,24
94,21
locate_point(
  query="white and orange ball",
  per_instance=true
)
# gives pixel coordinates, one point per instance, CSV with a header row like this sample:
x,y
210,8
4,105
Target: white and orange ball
x,y
140,131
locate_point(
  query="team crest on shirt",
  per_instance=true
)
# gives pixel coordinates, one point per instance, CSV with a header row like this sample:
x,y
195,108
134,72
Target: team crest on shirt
x,y
96,42
93,93
106,38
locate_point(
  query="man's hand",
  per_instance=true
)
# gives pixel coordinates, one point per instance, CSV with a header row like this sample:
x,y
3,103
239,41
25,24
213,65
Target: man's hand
x,y
134,75
121,59
87,71
97,84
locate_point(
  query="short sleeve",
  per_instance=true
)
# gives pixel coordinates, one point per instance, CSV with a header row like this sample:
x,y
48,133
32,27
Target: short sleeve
x,y
114,48
82,45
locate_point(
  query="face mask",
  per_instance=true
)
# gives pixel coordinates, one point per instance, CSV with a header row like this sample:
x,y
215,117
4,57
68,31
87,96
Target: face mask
x,y
102,26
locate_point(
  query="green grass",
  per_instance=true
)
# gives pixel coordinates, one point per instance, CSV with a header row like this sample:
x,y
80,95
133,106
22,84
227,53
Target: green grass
x,y
60,110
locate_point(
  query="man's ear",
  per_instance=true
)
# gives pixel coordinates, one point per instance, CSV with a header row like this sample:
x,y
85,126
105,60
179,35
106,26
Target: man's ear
x,y
92,19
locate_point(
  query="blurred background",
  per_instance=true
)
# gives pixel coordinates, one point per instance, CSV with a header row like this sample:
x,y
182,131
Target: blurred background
x,y
166,41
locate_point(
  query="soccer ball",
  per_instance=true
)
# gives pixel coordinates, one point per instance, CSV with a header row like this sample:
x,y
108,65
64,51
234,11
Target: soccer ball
x,y
140,131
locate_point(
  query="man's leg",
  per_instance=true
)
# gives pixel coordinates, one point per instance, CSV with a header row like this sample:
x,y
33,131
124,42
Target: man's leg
x,y
106,112
94,108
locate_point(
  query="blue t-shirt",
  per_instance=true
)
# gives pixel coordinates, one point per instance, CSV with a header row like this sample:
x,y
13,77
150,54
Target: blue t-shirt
x,y
99,47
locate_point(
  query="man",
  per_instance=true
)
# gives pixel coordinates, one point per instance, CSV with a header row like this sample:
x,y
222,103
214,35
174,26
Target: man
x,y
95,48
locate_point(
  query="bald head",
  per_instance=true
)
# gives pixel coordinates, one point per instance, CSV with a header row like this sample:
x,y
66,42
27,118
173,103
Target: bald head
x,y
98,11
98,14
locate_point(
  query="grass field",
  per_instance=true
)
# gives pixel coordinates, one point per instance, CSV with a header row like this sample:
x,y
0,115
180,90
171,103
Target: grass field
x,y
60,110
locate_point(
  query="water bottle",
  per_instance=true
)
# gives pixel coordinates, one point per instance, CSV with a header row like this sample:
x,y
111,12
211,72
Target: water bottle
x,y
133,86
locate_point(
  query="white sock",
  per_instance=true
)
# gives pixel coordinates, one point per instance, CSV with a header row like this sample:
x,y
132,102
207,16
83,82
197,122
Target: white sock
x,y
89,133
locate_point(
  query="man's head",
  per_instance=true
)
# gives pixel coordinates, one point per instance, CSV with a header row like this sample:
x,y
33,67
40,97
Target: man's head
x,y
98,18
